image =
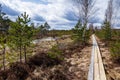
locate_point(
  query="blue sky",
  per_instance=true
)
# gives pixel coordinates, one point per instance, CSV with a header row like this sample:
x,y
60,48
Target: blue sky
x,y
60,14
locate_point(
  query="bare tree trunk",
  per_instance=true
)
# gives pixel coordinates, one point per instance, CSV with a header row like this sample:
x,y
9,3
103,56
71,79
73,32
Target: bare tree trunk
x,y
4,58
57,41
84,34
86,10
20,51
25,53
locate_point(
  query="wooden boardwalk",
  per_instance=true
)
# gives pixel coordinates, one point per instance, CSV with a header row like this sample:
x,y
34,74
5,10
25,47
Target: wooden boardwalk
x,y
96,69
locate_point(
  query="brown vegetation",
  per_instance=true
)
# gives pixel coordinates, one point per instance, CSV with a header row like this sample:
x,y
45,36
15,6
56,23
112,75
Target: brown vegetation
x,y
111,65
41,66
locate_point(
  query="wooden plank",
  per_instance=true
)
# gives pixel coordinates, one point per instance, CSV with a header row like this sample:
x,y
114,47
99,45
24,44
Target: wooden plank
x,y
91,68
101,68
96,69
102,75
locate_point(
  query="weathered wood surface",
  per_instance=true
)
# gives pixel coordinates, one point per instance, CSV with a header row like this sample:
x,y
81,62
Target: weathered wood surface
x,y
96,69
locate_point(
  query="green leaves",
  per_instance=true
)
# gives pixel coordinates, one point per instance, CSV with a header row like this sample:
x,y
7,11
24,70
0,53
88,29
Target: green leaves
x,y
23,19
46,26
21,30
55,53
78,32
111,37
4,26
20,33
107,30
43,29
115,50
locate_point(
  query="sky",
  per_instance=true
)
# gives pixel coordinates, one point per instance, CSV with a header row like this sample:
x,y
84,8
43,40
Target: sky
x,y
60,14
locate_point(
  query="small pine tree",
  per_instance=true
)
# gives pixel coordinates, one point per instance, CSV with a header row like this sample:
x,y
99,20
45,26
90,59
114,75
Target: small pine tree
x,y
46,26
78,32
15,36
4,25
107,30
43,29
21,34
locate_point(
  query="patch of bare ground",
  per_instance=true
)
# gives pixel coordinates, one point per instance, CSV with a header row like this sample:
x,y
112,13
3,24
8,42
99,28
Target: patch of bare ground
x,y
80,61
43,46
75,65
40,66
112,69
46,45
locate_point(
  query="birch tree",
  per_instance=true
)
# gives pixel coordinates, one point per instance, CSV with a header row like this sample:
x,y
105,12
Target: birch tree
x,y
108,23
86,10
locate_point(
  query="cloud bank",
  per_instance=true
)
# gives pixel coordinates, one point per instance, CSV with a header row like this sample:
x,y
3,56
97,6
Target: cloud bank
x,y
60,14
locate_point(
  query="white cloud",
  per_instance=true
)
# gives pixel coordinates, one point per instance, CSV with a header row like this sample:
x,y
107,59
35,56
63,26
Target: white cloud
x,y
102,6
53,11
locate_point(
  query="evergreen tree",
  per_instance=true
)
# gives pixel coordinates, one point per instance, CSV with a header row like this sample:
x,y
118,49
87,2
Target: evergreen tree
x,y
46,26
16,35
43,29
78,32
4,26
107,30
21,34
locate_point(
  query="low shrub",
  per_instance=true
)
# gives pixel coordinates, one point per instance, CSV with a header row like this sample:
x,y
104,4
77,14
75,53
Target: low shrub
x,y
42,59
115,51
57,75
12,76
55,53
20,70
17,71
4,74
